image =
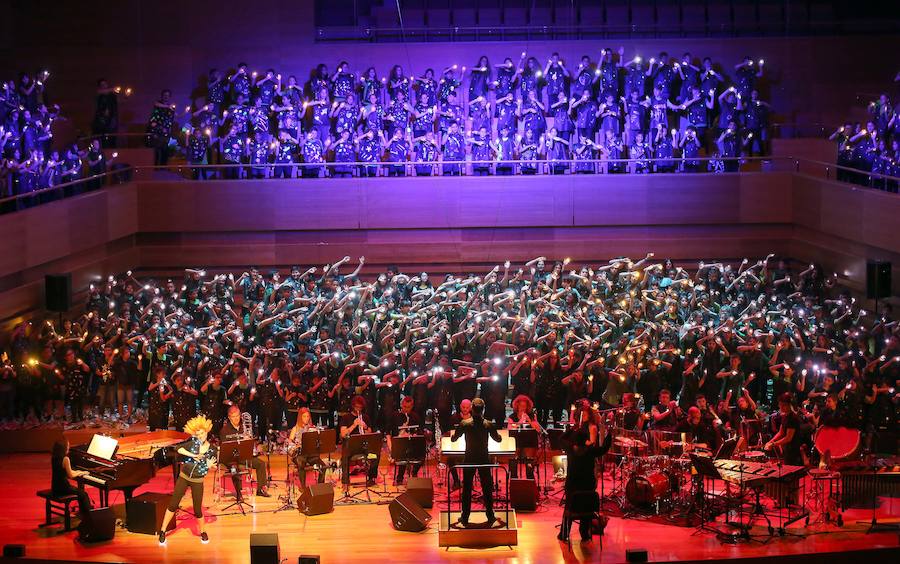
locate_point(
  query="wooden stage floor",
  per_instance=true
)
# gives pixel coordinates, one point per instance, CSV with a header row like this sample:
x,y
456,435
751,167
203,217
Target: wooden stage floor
x,y
363,533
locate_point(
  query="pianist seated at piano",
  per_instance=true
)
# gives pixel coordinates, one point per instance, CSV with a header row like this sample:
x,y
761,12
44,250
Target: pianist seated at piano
x,y
405,423
233,430
61,472
522,418
197,457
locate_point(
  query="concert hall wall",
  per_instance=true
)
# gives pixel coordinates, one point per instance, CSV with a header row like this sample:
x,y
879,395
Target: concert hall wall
x,y
153,45
442,224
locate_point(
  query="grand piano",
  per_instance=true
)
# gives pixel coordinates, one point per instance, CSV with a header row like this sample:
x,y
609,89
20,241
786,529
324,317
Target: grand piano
x,y
126,463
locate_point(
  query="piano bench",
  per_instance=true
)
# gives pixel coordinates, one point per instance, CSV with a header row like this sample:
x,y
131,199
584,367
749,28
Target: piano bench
x,y
60,506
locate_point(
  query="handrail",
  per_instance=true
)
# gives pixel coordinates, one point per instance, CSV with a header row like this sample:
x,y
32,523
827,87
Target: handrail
x,y
65,185
795,163
114,134
674,160
828,166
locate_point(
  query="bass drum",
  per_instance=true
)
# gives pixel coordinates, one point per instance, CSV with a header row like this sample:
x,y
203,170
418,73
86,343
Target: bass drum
x,y
838,443
643,490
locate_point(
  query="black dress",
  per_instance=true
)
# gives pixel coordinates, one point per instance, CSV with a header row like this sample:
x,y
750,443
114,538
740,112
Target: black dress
x,y
60,485
582,498
157,411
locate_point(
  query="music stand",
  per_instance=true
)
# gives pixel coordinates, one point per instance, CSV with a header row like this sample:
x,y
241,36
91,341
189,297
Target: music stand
x,y
366,444
232,453
554,434
408,450
525,437
726,450
317,443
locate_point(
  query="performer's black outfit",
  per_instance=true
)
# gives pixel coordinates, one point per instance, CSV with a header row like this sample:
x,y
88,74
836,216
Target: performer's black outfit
x,y
230,433
399,420
347,421
60,486
581,480
476,430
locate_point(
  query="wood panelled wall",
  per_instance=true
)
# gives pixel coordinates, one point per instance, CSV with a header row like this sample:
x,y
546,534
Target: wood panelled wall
x,y
442,224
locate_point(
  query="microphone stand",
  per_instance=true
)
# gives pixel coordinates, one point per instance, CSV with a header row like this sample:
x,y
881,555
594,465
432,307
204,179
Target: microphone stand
x,y
270,482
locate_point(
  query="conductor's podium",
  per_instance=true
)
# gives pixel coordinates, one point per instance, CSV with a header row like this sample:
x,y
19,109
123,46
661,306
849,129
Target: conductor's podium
x,y
478,537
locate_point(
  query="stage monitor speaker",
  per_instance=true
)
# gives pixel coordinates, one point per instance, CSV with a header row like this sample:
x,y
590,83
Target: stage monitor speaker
x,y
422,490
407,515
264,548
523,494
99,525
58,292
878,280
308,559
317,499
13,551
144,513
636,555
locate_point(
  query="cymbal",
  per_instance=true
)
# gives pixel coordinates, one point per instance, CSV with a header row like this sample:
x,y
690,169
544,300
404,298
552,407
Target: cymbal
x,y
630,443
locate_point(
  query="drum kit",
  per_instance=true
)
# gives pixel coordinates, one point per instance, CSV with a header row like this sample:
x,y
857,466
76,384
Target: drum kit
x,y
653,468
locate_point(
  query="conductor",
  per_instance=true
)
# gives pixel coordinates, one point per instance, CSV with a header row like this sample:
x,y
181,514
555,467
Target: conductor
x,y
476,430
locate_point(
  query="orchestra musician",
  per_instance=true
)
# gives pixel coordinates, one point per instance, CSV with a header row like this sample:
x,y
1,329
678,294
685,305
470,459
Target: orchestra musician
x,y
665,415
304,423
707,412
698,431
582,445
786,442
522,417
197,458
61,472
632,418
357,422
477,430
744,419
405,423
232,430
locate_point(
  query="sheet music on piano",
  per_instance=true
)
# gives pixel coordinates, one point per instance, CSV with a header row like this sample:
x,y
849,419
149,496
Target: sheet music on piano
x,y
103,446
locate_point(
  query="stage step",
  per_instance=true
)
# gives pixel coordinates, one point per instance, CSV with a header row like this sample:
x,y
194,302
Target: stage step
x,y
507,535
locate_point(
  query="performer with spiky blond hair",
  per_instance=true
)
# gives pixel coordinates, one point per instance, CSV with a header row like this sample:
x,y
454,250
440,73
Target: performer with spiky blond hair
x,y
198,456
